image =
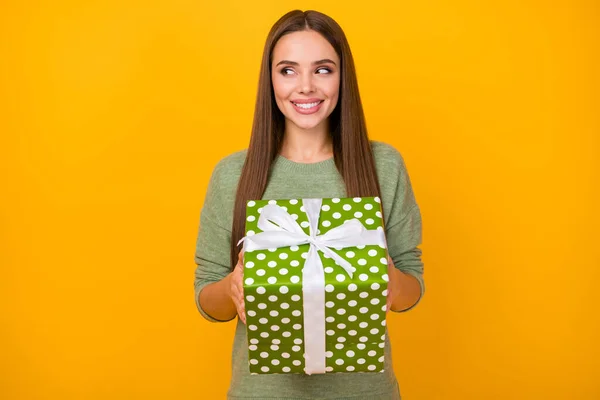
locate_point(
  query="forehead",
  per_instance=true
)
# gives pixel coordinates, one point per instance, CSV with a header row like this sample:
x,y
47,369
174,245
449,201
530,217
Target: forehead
x,y
303,47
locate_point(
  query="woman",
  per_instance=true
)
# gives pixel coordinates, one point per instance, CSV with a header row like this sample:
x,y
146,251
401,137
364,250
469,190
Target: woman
x,y
309,140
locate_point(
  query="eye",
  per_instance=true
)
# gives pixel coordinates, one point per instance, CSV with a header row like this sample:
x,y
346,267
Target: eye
x,y
287,71
327,70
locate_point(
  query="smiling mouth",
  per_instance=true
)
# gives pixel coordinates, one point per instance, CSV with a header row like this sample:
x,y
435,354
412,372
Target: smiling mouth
x,y
307,106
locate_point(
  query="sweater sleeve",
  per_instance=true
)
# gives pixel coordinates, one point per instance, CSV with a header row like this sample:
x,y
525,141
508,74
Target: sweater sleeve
x,y
213,242
403,229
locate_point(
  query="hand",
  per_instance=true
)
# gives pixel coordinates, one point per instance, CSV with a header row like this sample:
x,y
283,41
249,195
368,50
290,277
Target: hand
x,y
392,288
236,287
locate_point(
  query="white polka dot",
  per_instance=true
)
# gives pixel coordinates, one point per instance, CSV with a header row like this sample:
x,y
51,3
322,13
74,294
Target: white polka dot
x,y
261,256
363,277
253,361
374,331
368,206
251,313
335,200
296,313
294,248
362,261
326,223
329,304
352,318
364,295
350,353
328,354
352,287
286,334
252,327
250,298
297,326
372,368
330,319
378,213
329,288
385,292
285,320
380,359
285,306
350,254
285,355
275,362
264,354
384,308
328,369
377,200
302,209
339,346
251,203
383,323
341,326
273,313
284,289
341,296
260,290
272,298
262,306
364,310
383,337
340,277
372,252
370,221
254,341
339,361
272,264
305,224
337,215
375,286
249,264
293,201
295,297
274,347
260,272
295,216
259,210
374,316
375,301
296,348
352,332
296,362
251,218
250,233
325,207
358,214
272,249
272,280
361,361
304,255
283,256
385,277
363,324
341,311
374,269
363,339
383,260
328,270
352,303
330,332
347,207
361,346
283,271
295,263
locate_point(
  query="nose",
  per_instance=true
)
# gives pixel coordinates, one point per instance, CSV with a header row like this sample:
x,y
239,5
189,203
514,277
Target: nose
x,y
306,83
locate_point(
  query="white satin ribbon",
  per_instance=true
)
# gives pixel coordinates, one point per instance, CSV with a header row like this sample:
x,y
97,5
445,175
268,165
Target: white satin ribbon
x,y
287,233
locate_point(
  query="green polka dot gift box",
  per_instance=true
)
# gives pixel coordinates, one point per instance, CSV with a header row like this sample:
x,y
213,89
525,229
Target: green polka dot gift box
x,y
315,285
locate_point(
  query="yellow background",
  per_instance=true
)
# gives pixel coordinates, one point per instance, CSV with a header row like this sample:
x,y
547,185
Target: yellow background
x,y
113,114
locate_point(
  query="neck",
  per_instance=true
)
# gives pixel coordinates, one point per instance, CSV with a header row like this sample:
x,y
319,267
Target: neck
x,y
307,145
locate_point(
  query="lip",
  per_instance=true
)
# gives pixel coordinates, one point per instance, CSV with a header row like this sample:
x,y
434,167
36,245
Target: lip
x,y
304,101
307,111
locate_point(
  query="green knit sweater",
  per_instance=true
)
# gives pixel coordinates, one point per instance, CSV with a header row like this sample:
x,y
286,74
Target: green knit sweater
x,y
315,180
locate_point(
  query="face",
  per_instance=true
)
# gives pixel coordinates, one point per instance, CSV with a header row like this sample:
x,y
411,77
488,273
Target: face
x,y
306,78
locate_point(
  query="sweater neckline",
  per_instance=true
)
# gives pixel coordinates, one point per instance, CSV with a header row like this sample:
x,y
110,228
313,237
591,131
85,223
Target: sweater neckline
x,y
327,165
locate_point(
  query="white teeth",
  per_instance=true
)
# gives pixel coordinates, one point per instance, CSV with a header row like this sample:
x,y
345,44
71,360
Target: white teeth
x,y
307,105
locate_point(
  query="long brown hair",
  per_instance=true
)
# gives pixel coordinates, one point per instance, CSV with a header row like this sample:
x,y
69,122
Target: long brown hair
x,y
352,151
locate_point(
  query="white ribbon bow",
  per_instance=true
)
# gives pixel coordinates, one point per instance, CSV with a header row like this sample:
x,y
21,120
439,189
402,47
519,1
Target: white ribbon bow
x,y
286,233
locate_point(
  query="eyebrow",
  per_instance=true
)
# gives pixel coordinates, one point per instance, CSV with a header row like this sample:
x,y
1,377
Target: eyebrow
x,y
318,62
